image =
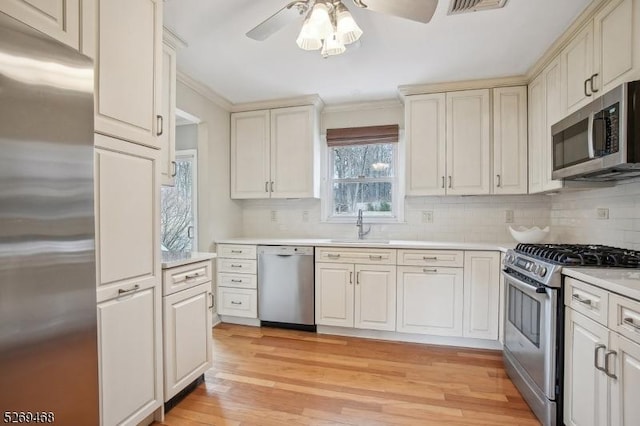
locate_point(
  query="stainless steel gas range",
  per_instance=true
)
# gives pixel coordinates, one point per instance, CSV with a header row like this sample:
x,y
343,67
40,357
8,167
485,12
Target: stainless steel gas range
x,y
534,320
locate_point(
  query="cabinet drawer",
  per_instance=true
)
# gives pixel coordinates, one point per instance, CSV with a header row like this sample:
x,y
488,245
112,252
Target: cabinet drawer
x,y
186,276
590,301
242,266
361,256
624,316
444,258
237,280
238,302
236,251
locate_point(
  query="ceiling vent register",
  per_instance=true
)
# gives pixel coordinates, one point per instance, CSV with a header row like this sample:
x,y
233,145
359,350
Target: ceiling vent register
x,y
466,6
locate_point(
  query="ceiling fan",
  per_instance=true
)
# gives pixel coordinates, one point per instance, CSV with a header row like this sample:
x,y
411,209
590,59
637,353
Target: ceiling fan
x,y
328,26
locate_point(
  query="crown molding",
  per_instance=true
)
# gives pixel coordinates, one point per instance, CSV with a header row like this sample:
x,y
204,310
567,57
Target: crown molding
x,y
561,42
314,100
360,106
170,37
452,86
204,90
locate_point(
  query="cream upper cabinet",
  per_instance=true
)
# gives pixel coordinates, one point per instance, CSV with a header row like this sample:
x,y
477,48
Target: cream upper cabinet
x,y
375,297
250,140
275,153
167,113
481,294
616,44
426,156
334,294
625,410
537,124
577,69
294,153
510,140
125,39
59,19
468,143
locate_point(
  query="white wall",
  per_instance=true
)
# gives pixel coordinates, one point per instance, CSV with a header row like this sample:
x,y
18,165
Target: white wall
x,y
218,216
574,216
187,137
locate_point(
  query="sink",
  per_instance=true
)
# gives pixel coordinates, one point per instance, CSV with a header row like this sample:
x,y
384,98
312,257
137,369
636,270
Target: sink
x,y
356,241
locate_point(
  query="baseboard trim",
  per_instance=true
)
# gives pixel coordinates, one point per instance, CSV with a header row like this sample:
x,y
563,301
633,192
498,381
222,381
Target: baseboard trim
x,y
254,322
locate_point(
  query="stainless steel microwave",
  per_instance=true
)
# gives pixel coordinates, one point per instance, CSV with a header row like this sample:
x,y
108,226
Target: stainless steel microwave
x,y
601,141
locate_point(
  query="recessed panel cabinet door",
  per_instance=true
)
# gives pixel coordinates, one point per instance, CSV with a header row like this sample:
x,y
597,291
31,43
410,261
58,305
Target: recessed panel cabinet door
x,y
167,137
625,409
375,297
554,110
250,137
426,158
577,63
334,294
468,143
59,19
128,58
481,294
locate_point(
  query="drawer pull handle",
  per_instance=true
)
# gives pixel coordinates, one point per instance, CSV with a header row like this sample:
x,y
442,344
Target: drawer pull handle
x,y
236,251
192,276
333,256
429,257
629,321
375,257
133,289
236,266
236,281
430,271
595,357
233,302
606,364
587,302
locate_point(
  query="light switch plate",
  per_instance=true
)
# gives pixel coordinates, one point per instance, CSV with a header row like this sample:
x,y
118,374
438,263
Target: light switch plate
x,y
508,216
274,215
427,216
305,216
602,213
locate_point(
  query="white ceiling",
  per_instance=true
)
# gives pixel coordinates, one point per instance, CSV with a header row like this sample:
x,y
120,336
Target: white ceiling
x,y
393,51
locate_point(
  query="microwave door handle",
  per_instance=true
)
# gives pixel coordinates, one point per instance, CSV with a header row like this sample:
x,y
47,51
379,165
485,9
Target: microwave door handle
x,y
590,138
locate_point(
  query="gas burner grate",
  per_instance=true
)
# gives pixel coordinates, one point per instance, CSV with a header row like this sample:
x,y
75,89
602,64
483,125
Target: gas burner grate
x,y
582,255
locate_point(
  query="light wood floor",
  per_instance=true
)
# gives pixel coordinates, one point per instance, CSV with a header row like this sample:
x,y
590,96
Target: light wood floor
x,y
264,376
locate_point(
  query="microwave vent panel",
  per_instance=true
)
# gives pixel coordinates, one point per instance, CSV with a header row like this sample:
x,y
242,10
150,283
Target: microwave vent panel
x,y
466,6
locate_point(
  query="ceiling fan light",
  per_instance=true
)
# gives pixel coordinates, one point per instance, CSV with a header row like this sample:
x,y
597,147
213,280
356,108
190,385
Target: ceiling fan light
x,y
308,38
333,46
320,20
347,28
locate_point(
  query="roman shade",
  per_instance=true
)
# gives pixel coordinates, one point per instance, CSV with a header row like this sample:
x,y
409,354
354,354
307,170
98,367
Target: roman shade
x,y
363,135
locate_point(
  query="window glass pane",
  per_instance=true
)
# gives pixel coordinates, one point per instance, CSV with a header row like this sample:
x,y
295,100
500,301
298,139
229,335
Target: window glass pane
x,y
358,161
176,211
374,198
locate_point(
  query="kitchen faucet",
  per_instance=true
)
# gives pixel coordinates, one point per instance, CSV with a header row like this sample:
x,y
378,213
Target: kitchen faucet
x,y
360,226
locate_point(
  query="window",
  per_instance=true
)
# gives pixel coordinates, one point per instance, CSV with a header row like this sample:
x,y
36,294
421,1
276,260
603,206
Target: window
x,y
178,207
363,168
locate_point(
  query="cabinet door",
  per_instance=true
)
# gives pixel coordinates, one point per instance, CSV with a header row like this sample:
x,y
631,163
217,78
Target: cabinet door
x,y
426,157
585,387
167,137
625,410
468,143
250,154
129,342
294,153
430,300
187,337
128,59
577,64
537,124
510,140
617,44
59,19
375,297
334,294
554,111
481,294
127,215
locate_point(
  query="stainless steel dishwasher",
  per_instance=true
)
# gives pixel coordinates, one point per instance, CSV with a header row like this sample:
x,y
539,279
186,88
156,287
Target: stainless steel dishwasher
x,y
286,287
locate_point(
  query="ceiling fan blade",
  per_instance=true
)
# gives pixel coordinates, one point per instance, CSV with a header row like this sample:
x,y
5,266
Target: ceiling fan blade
x,y
278,20
415,10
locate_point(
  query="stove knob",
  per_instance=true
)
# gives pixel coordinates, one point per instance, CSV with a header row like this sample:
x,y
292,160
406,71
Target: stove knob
x,y
542,272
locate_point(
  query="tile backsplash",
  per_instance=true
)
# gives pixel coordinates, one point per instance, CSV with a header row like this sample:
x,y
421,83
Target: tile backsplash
x,y
574,216
464,219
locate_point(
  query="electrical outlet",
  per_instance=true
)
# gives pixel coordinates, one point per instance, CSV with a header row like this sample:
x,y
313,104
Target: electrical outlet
x,y
305,216
508,216
602,213
274,215
427,216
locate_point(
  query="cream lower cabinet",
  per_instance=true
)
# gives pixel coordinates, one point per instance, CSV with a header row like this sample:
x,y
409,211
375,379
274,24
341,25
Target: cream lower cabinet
x,y
237,283
334,294
602,358
130,356
59,19
481,294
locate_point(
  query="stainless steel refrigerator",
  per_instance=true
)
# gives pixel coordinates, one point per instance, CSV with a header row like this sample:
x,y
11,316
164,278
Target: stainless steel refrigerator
x,y
48,336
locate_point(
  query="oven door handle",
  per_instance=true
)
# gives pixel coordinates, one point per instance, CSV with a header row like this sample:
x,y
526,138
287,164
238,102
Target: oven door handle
x,y
528,288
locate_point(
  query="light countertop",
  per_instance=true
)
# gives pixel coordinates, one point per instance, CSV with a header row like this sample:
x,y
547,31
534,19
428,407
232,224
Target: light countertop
x,y
171,259
372,243
623,281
